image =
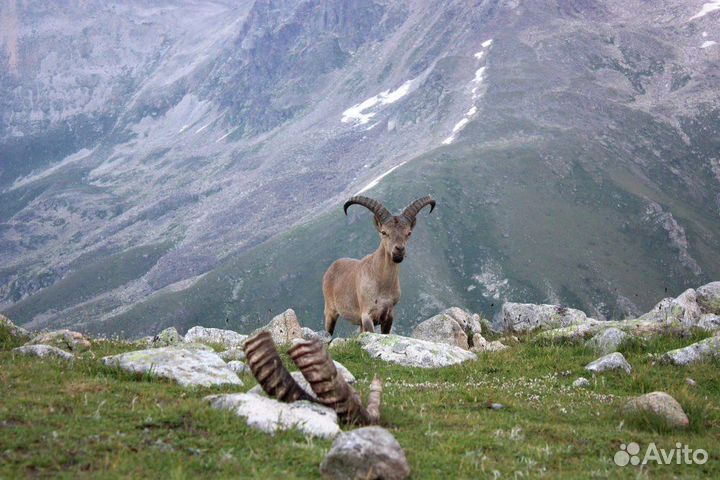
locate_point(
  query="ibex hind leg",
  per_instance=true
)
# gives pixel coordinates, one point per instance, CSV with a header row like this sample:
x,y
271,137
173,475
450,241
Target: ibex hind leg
x,y
331,317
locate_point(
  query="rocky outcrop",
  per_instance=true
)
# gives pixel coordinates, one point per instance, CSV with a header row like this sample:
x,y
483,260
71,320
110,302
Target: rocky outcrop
x,y
683,310
284,328
609,363
365,453
240,368
270,415
660,405
310,334
43,351
189,367
697,352
63,339
13,329
412,352
607,341
527,317
453,326
235,353
215,336
708,297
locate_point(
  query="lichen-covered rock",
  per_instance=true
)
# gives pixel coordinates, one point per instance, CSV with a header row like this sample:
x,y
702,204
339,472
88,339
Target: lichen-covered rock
x,y
697,352
412,352
708,298
339,342
661,405
527,317
471,323
215,336
283,328
240,368
442,328
64,339
235,353
13,329
683,310
611,362
166,338
270,415
189,367
365,453
607,341
43,351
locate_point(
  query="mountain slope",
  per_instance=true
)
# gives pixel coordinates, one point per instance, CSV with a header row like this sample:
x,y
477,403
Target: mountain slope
x,y
572,149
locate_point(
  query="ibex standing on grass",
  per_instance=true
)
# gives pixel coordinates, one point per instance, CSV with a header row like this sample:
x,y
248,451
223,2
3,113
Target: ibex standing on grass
x,y
366,291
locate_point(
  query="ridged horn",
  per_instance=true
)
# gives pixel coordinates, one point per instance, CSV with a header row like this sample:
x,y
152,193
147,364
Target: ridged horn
x,y
332,390
373,205
412,210
268,369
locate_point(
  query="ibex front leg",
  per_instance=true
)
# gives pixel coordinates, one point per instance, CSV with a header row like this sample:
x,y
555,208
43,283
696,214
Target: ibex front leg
x,y
367,324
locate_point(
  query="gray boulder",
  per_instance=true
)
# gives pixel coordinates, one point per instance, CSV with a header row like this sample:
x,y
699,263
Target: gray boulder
x,y
660,405
412,352
708,298
215,336
442,328
189,367
166,338
63,339
527,317
43,351
365,453
709,322
697,352
683,310
485,346
283,327
270,415
13,329
339,342
607,341
310,334
611,362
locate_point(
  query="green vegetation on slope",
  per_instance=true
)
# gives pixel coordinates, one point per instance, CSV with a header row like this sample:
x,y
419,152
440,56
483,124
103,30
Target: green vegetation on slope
x,y
84,420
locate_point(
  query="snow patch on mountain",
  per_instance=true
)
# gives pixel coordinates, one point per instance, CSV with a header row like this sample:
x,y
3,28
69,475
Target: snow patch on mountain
x,y
362,112
707,8
377,179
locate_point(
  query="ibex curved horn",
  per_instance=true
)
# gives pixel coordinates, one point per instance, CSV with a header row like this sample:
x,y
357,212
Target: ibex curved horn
x,y
412,210
332,390
373,205
268,369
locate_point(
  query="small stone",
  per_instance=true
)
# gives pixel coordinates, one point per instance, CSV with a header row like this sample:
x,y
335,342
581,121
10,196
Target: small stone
x,y
661,405
495,406
607,341
611,362
691,382
339,342
215,336
581,382
43,351
64,339
365,453
310,334
270,415
238,367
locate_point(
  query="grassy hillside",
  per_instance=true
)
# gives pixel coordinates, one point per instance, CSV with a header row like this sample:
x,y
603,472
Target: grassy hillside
x,y
84,420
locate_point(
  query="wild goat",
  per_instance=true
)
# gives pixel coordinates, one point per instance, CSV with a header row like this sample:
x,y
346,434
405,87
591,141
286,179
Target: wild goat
x,y
365,292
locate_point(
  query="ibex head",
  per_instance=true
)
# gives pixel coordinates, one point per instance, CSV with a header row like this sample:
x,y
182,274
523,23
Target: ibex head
x,y
394,230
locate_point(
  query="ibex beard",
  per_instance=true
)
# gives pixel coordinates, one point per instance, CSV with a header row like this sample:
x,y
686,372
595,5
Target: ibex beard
x,y
365,291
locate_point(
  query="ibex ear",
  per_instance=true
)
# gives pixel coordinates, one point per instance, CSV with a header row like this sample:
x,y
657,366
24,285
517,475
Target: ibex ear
x,y
378,222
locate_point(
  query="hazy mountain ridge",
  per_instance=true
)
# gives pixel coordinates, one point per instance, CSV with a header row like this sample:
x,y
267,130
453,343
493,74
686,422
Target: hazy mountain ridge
x,y
243,122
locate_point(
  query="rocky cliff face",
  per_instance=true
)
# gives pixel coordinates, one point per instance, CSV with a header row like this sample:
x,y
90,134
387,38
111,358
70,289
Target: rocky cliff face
x,y
167,162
